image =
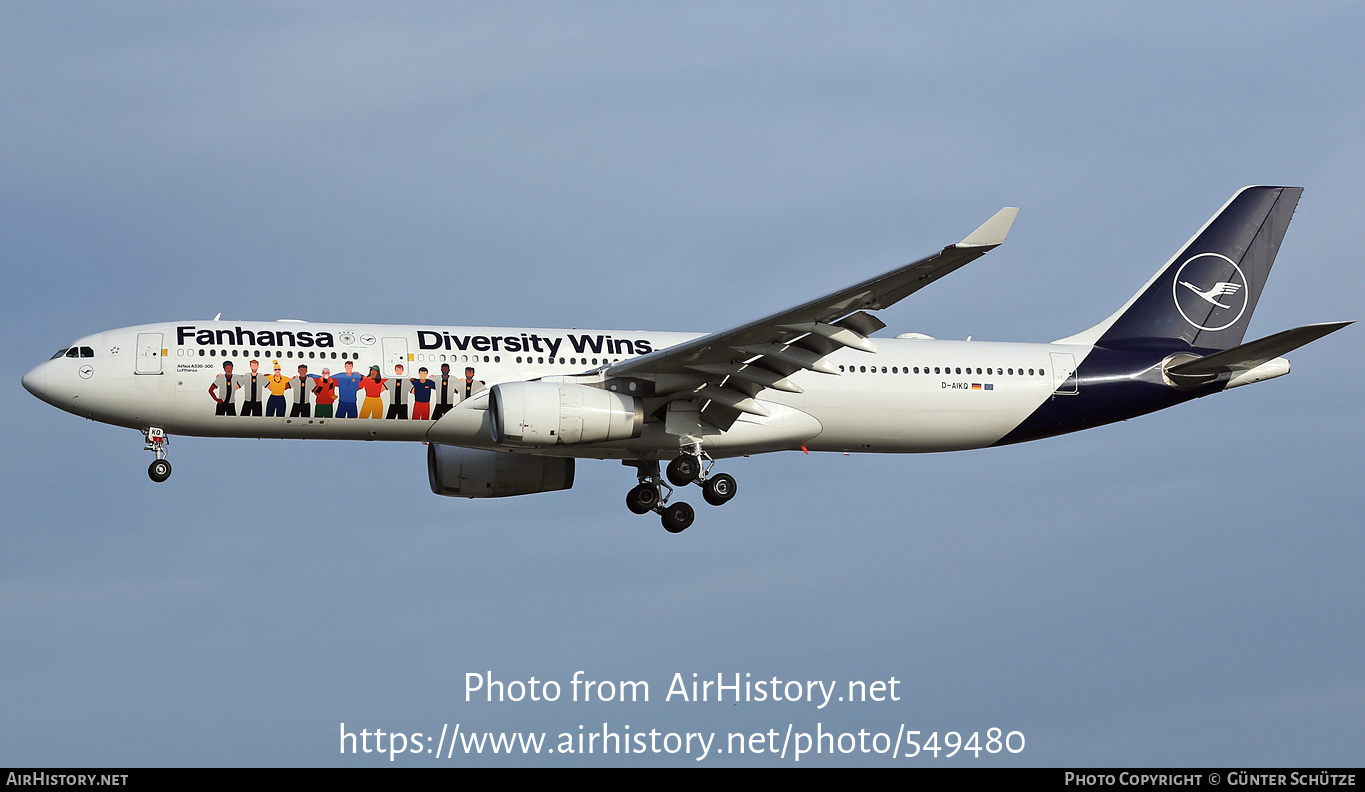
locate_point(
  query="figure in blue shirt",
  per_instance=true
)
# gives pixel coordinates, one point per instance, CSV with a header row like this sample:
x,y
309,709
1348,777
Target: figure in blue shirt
x,y
347,385
421,389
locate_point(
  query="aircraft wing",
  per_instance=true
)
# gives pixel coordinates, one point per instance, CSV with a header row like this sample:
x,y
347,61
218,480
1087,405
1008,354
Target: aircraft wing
x,y
723,372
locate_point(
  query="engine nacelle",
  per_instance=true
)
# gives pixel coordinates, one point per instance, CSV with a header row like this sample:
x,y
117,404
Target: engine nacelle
x,y
540,414
472,473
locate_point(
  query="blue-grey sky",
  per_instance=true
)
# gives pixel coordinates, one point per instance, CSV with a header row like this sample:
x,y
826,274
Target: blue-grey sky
x,y
1178,589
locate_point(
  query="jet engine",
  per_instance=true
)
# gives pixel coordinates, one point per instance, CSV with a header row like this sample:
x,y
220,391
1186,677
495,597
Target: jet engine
x,y
540,414
472,473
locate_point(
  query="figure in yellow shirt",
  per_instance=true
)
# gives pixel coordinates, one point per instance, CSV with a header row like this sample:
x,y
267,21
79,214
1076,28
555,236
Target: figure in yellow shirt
x,y
277,384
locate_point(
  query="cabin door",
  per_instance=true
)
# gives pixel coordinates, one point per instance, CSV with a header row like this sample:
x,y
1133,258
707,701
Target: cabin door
x,y
149,353
395,352
1064,380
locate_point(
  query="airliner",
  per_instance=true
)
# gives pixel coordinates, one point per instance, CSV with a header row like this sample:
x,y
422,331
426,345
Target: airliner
x,y
507,411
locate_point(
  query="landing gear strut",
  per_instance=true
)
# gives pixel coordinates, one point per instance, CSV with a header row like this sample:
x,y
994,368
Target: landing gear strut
x,y
159,470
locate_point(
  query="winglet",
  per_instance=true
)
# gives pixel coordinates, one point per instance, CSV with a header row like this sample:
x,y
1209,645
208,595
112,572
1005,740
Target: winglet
x,y
993,231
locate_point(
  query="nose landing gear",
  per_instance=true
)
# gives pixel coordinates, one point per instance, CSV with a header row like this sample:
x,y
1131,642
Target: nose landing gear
x,y
160,469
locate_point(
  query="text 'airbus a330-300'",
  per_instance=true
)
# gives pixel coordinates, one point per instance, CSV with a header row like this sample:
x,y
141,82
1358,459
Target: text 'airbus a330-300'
x,y
507,411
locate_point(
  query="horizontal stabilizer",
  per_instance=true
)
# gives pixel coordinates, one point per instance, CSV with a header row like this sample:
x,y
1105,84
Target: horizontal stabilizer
x,y
1253,354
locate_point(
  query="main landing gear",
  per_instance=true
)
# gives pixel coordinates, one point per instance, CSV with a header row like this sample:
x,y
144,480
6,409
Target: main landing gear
x,y
692,466
159,470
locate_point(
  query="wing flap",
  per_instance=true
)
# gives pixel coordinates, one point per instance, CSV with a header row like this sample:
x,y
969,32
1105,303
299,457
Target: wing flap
x,y
751,373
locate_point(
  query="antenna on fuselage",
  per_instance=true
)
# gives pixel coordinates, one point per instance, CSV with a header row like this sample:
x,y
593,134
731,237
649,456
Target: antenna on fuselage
x,y
218,316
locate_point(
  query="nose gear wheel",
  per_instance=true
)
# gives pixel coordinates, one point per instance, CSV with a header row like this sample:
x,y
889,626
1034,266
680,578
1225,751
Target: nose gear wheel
x,y
159,470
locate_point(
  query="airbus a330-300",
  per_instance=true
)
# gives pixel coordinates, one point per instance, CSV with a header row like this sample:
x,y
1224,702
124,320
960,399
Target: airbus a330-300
x,y
507,411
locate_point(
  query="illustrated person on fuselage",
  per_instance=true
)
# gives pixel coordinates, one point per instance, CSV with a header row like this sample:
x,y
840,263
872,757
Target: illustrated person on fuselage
x,y
398,388
224,391
302,386
278,385
421,389
347,383
373,385
471,386
325,388
252,385
445,392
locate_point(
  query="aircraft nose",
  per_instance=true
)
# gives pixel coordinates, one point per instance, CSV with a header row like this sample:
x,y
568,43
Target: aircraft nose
x,y
35,381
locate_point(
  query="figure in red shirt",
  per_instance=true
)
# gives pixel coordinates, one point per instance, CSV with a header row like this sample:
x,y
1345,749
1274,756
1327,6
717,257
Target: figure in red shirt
x,y
325,388
373,386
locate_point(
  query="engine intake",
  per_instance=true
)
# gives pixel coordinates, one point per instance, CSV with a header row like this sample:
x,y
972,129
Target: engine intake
x,y
540,414
473,473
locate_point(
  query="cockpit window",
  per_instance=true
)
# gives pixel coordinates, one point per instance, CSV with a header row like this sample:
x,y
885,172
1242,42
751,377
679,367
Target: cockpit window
x,y
60,352
87,352
73,352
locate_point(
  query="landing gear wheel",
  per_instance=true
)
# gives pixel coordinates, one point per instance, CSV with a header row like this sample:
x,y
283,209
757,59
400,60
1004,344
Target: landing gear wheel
x,y
684,470
677,516
159,471
642,498
719,489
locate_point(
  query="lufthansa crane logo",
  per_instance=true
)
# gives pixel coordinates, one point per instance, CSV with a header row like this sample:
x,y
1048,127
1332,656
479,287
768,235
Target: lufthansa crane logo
x,y
1210,291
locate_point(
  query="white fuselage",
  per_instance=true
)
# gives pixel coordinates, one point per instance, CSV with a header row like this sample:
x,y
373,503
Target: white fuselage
x,y
912,395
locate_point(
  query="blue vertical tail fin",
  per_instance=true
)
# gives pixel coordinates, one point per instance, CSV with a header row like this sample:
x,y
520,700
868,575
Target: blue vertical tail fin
x,y
1204,296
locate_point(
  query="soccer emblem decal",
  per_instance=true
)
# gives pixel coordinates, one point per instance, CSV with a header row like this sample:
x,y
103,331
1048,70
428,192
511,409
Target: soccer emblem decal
x,y
1210,291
